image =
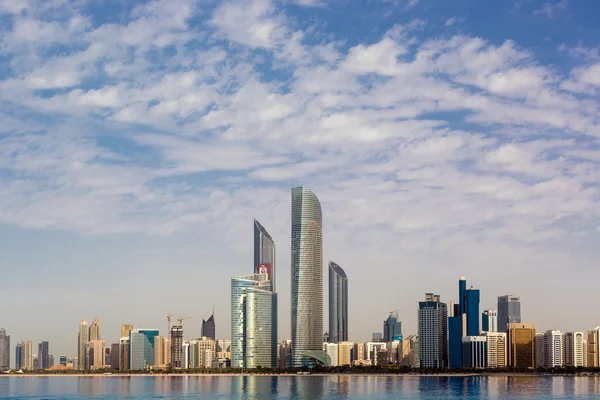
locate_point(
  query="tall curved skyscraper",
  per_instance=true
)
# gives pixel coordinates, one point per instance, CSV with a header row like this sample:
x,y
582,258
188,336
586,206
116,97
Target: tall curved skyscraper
x,y
338,304
264,253
307,277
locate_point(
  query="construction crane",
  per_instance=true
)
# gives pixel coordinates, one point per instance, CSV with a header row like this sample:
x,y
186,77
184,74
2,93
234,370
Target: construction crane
x,y
169,315
181,319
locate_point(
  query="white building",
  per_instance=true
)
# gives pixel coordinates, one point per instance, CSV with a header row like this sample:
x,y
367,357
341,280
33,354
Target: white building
x,y
496,349
332,350
372,349
553,349
573,348
585,353
185,363
490,318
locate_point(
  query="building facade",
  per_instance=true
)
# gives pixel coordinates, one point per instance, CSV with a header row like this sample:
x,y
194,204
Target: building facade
x,y
338,304
124,353
489,321
4,350
82,340
208,327
95,354
345,353
392,328
553,349
125,329
539,350
474,351
19,356
307,278
509,311
264,254
160,344
496,349
43,353
27,356
114,356
593,347
573,345
433,332
177,356
95,330
521,345
141,348
224,349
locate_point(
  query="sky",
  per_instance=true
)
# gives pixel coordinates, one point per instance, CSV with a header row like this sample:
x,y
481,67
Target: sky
x,y
139,139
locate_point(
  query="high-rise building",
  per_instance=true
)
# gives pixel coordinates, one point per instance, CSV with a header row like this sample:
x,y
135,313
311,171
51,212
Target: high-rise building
x,y
332,351
464,321
95,354
472,307
392,328
433,332
307,279
496,349
284,351
539,350
509,311
264,254
125,329
114,356
553,349
359,353
50,360
82,340
95,330
521,345
206,351
345,353
489,321
573,349
338,304
124,353
585,353
4,350
160,343
474,351
43,353
19,356
223,348
253,322
27,356
177,356
593,347
456,331
208,327
141,348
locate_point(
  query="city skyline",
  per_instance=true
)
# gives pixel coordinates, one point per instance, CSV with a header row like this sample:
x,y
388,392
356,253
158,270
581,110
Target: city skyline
x,y
139,141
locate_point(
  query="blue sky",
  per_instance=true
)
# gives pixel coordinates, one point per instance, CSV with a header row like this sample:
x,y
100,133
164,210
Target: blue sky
x,y
139,139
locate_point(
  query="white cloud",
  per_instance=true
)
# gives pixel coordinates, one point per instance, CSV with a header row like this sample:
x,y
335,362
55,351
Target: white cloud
x,y
551,8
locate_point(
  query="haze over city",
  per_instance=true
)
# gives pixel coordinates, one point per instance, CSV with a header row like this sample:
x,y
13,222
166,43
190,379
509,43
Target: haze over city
x,y
139,140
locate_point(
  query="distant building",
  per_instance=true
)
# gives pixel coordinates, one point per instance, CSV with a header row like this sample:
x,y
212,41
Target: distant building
x,y
474,351
573,344
160,344
553,349
345,353
539,350
223,349
593,347
82,340
284,351
27,356
95,330
585,353
208,327
496,349
205,353
141,348
126,329
43,352
19,356
50,360
186,355
4,350
509,311
394,351
472,311
358,353
433,332
338,304
521,345
456,331
332,351
177,356
377,337
264,254
95,354
124,354
374,352
489,321
63,360
392,328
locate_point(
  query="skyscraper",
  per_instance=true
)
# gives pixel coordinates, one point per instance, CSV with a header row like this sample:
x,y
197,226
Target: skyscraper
x,y
392,328
141,348
124,353
496,349
489,321
573,349
307,279
114,356
177,347
593,347
95,354
264,254
19,356
43,352
81,342
338,304
95,330
509,311
433,332
208,327
463,322
253,322
521,345
4,350
553,349
27,355
472,311
125,329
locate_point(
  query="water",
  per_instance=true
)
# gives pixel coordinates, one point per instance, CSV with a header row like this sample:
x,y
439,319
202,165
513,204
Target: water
x,y
298,387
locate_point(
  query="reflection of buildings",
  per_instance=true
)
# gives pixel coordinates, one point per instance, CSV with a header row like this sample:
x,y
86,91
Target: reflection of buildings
x,y
521,345
433,332
338,304
574,349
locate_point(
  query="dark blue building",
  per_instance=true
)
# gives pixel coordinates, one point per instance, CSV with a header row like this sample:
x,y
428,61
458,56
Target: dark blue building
x,y
455,334
472,307
392,329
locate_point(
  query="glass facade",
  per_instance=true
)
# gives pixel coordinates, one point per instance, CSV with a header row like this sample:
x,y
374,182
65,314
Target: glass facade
x,y
392,329
208,328
521,340
141,348
433,332
307,276
19,357
472,306
509,311
253,322
338,304
264,254
455,335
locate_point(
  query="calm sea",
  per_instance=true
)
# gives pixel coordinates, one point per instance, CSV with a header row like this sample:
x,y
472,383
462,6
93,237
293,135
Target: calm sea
x,y
306,387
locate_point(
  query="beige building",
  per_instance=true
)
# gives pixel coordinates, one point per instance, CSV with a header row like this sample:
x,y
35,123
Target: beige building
x,y
95,354
162,351
223,348
27,355
205,352
82,341
592,347
496,349
344,353
126,329
521,345
95,330
124,354
359,352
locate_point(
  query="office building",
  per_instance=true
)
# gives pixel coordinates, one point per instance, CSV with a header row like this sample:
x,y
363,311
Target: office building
x,y
95,330
82,340
433,332
593,347
472,311
573,344
19,356
264,254
553,349
177,356
4,350
114,356
338,304
284,351
539,350
496,349
358,355
585,353
27,356
185,363
521,345
345,353
160,345
63,360
208,327
509,311
43,352
207,350
141,348
124,353
377,337
392,328
456,331
373,351
332,351
253,322
489,321
307,279
394,351
224,349
95,354
474,351
126,329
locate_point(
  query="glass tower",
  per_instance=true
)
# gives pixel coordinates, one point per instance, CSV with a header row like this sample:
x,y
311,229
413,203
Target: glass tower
x,y
307,277
338,304
509,311
392,328
141,348
83,338
433,332
264,253
208,327
253,322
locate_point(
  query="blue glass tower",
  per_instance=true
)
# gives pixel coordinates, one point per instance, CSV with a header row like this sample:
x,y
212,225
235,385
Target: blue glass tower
x,y
141,348
472,306
455,334
462,297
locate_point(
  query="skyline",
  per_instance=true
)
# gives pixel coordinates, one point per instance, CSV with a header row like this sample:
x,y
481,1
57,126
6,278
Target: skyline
x,y
137,141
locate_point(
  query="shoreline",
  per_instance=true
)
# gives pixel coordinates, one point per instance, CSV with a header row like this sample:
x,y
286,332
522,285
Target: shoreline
x,y
441,375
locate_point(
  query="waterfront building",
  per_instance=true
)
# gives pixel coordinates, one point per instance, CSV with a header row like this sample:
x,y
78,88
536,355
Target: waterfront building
x,y
553,349
415,351
359,353
284,351
141,348
177,353
264,254
4,350
186,355
95,354
332,351
593,347
539,350
223,349
509,311
27,356
114,356
489,321
433,332
95,330
373,352
50,360
496,349
19,356
573,349
585,353
124,353
208,327
43,352
126,329
345,353
394,351
338,304
82,340
307,279
474,351
521,345
377,337
63,360
392,328
160,344
456,331
205,353
253,322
